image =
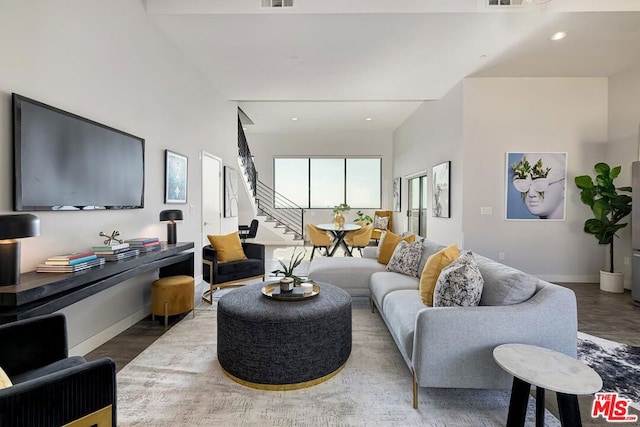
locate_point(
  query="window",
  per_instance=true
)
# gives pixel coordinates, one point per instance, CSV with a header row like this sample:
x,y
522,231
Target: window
x,y
322,182
291,179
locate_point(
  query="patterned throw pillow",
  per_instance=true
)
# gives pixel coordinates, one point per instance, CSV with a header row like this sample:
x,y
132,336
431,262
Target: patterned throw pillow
x,y
380,222
460,283
406,258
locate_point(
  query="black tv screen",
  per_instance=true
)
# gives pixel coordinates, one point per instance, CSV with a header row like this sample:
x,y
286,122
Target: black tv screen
x,y
66,162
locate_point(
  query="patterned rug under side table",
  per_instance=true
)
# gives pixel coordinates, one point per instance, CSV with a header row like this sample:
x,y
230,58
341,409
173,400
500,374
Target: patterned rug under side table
x,y
546,369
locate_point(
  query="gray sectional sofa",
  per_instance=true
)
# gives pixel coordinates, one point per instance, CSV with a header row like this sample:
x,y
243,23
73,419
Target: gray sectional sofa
x,y
453,346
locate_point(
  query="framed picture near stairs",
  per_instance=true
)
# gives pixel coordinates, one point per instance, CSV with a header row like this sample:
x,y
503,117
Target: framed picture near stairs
x,y
230,192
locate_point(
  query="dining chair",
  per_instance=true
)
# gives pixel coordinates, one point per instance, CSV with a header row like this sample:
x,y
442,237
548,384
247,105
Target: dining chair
x,y
359,238
377,218
319,239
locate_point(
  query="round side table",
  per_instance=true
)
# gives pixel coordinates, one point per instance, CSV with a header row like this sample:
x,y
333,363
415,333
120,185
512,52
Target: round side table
x,y
547,370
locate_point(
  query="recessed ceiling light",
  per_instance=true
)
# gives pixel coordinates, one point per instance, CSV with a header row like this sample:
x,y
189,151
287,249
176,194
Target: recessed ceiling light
x,y
294,118
368,119
558,36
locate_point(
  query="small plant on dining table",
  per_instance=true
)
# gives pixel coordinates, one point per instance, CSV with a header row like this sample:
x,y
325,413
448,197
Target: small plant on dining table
x,y
287,270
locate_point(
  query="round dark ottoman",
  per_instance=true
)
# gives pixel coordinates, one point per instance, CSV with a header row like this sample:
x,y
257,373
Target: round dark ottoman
x,y
283,345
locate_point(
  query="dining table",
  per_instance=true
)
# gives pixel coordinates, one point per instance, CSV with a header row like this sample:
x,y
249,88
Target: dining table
x,y
338,233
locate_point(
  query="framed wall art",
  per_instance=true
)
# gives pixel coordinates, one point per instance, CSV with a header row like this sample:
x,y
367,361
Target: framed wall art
x,y
230,192
535,186
440,193
397,188
175,179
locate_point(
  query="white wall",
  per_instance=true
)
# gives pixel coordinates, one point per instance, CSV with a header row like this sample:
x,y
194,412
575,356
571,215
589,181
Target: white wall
x,y
624,141
105,60
522,115
267,146
432,135
474,126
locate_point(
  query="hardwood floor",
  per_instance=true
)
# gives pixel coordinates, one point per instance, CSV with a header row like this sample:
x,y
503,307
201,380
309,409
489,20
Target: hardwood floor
x,y
606,315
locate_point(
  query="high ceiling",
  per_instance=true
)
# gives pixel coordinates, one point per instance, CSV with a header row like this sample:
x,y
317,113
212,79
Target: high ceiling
x,y
334,63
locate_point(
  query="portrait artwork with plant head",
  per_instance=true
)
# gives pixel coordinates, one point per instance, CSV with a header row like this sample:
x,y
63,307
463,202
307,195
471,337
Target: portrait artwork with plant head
x,y
536,186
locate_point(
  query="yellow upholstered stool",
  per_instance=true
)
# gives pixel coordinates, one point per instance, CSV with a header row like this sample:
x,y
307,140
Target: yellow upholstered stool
x,y
172,295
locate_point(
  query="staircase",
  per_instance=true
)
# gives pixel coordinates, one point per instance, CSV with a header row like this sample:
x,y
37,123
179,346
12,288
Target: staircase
x,y
272,209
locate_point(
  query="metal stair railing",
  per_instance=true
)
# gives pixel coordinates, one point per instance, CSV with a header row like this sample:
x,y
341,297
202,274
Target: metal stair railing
x,y
270,203
280,209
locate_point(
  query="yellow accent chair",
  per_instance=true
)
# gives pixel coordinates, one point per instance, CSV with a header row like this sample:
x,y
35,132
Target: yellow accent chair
x,y
319,239
359,238
377,232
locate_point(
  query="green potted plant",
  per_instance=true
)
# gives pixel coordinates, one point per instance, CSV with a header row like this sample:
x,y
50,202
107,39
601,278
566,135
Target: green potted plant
x,y
289,280
362,218
609,207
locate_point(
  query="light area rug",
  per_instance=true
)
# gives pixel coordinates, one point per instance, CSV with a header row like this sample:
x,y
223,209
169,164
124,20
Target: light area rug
x,y
178,381
617,364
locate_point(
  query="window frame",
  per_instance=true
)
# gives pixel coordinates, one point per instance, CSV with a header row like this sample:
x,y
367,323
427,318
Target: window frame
x,y
346,181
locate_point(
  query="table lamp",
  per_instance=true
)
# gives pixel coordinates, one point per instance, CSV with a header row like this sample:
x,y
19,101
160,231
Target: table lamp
x,y
171,215
14,227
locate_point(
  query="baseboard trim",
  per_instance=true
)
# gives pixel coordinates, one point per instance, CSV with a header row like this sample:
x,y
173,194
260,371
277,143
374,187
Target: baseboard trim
x,y
570,278
102,337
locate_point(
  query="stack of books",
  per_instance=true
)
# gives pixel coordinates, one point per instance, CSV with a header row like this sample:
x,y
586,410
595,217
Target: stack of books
x,y
115,252
70,263
145,244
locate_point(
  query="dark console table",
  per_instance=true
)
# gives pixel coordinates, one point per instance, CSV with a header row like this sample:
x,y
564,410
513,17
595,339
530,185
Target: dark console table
x,y
44,293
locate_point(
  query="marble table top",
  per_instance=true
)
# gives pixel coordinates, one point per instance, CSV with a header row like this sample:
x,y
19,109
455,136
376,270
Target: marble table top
x,y
547,368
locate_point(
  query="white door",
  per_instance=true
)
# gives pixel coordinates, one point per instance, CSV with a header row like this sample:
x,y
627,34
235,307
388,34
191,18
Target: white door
x,y
211,195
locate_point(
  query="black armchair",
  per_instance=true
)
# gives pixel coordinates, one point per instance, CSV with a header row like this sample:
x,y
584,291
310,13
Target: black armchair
x,y
49,388
248,231
234,273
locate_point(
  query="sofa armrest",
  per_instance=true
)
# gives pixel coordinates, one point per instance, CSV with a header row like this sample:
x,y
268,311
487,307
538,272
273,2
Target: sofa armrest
x,y
460,340
61,397
32,343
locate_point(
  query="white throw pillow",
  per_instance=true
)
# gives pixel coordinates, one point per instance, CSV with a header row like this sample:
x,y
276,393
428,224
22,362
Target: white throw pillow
x,y
459,284
406,258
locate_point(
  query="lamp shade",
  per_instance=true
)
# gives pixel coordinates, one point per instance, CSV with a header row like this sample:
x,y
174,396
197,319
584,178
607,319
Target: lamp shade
x,y
19,225
171,215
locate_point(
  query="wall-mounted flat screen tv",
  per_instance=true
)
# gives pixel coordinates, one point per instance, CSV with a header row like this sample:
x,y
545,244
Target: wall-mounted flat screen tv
x,y
66,162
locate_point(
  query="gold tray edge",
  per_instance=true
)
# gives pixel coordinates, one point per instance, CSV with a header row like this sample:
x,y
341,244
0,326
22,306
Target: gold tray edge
x,y
270,287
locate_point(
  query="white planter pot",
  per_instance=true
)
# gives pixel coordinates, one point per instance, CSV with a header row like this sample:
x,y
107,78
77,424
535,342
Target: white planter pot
x,y
611,282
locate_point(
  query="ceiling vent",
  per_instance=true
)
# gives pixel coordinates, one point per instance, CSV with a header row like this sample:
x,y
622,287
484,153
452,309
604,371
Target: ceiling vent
x,y
277,3
502,3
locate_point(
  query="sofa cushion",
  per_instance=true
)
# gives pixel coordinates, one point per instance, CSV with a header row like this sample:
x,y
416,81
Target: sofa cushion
x,y
4,379
400,309
228,246
388,245
504,285
406,258
433,267
351,274
428,248
383,283
459,284
49,369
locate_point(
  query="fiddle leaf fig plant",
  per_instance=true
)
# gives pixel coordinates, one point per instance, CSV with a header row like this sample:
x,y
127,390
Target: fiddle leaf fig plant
x,y
608,206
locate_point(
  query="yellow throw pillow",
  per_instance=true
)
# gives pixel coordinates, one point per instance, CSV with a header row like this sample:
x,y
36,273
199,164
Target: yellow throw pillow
x,y
4,380
228,246
433,267
388,245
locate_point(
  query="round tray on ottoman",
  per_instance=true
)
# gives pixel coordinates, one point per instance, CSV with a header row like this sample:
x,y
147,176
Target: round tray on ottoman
x,y
283,345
